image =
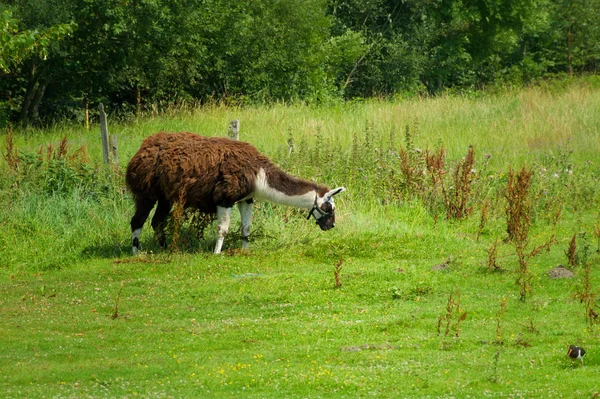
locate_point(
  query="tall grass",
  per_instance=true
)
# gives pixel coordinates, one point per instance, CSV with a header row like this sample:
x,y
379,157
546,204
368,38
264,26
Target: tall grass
x,y
512,126
272,322
357,144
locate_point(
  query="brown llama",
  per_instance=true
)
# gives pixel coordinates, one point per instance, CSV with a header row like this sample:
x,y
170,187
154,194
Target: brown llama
x,y
212,174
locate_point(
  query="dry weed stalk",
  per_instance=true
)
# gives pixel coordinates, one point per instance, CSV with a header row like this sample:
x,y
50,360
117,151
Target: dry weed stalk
x,y
63,148
434,165
587,295
199,221
572,252
11,156
518,209
492,263
434,161
524,275
117,301
457,203
452,307
81,155
498,318
556,217
485,207
49,151
411,165
408,170
585,291
518,213
177,217
455,199
57,153
336,273
61,152
494,377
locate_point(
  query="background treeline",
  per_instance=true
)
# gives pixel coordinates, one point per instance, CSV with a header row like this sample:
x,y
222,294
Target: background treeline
x,y
59,56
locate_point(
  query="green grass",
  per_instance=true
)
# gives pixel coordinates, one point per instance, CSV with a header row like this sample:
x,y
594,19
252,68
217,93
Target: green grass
x,y
269,322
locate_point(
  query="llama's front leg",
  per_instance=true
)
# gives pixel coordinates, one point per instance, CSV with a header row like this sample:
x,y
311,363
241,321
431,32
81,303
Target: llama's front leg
x,y
223,219
142,210
245,208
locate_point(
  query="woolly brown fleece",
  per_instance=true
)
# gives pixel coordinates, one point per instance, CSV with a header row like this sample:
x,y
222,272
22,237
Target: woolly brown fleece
x,y
204,172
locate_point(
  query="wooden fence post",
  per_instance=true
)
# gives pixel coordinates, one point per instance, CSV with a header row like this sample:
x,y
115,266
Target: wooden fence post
x,y
110,148
104,133
234,129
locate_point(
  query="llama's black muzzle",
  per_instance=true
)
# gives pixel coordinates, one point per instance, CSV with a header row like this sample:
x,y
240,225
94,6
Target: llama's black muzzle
x,y
324,215
326,222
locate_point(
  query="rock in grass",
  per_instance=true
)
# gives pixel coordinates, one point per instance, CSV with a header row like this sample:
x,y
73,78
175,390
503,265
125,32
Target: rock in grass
x,y
441,266
560,272
444,265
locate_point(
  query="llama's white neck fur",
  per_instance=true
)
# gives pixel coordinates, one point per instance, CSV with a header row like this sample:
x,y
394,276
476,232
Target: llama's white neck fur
x,y
264,192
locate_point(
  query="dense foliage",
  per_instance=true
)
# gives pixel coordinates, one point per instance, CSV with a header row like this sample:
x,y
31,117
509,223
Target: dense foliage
x,y
59,56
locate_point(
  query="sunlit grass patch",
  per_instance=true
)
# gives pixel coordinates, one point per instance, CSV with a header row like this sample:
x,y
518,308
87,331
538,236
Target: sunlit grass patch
x,y
270,321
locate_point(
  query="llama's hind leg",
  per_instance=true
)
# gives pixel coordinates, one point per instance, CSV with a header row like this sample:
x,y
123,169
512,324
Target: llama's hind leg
x,y
159,221
245,208
223,220
142,210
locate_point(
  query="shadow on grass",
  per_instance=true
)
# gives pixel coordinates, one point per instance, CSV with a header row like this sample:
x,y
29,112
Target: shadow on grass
x,y
106,251
188,243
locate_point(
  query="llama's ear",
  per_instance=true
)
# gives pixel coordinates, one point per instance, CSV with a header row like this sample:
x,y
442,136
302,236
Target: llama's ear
x,y
333,192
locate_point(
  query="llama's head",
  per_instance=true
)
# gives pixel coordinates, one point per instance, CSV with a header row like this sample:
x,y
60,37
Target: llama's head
x,y
323,209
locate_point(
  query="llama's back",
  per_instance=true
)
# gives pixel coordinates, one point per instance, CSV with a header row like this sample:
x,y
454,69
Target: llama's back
x,y
200,171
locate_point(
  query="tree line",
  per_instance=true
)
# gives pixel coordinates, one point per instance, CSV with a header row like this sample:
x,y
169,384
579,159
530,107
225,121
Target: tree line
x,y
58,57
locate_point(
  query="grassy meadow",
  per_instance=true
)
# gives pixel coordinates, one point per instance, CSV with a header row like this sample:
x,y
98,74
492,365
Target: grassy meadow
x,y
418,292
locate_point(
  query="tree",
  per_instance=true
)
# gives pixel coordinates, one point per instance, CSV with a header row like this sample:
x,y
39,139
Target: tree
x,y
18,47
57,55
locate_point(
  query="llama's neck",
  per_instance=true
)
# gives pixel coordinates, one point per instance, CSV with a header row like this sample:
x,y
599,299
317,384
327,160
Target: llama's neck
x,y
283,189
